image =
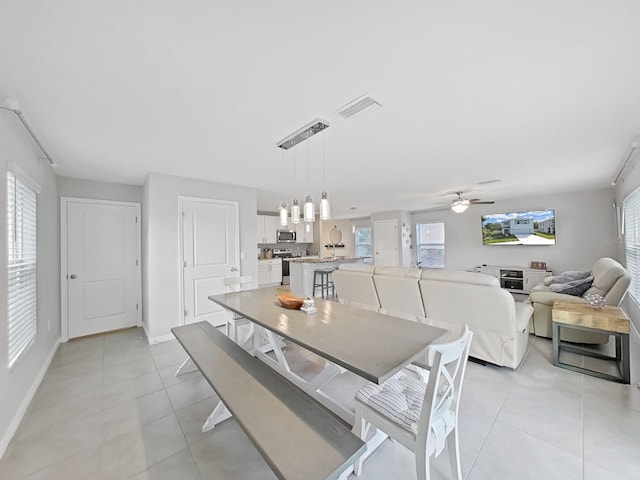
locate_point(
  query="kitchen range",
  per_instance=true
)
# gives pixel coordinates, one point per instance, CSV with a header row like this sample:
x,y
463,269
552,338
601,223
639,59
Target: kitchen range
x,y
285,254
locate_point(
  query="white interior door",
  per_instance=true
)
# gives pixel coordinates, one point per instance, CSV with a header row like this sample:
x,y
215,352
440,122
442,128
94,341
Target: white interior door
x,y
210,253
385,243
102,266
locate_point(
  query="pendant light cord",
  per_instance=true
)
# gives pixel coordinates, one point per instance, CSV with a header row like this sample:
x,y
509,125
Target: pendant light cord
x,y
323,173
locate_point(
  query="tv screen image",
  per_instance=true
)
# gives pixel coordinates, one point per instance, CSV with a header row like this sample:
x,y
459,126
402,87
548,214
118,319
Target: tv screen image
x,y
535,227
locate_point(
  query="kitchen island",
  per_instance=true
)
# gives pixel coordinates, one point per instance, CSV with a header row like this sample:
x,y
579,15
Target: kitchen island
x,y
301,271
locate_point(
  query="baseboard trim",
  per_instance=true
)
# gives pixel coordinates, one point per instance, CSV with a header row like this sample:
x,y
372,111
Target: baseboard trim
x,y
17,418
160,339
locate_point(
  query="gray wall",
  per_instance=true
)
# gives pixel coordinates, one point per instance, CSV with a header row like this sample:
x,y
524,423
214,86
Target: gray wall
x,y
76,187
161,248
585,224
18,385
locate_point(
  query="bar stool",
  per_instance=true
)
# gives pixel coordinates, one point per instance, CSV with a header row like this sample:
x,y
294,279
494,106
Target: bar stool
x,y
322,279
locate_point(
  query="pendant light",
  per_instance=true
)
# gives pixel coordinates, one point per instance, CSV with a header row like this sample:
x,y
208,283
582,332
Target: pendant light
x,y
295,211
325,209
309,208
295,206
284,214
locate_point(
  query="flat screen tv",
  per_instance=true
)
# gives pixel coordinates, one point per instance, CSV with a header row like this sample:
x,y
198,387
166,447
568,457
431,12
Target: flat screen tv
x,y
535,227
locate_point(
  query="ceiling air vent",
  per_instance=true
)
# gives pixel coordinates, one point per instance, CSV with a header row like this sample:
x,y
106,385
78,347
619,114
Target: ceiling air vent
x,y
303,133
359,105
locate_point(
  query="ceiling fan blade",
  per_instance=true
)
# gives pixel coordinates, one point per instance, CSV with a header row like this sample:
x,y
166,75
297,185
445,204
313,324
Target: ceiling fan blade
x,y
477,202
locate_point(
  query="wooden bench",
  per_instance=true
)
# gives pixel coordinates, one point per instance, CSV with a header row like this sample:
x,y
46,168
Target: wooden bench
x,y
297,436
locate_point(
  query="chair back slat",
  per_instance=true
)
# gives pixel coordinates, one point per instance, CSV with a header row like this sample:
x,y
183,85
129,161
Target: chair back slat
x,y
445,381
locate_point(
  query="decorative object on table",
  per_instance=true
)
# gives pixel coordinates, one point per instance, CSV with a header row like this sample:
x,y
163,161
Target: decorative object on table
x,y
538,265
308,306
287,300
596,300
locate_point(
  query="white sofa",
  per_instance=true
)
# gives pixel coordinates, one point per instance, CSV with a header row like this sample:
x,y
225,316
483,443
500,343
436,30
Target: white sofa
x,y
448,299
610,279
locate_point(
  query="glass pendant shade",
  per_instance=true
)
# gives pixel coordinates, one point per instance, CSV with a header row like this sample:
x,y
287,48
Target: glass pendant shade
x,y
295,211
460,206
284,214
325,209
309,210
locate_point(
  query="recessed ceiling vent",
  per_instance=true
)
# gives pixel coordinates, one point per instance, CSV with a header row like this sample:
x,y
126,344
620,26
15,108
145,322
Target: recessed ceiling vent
x,y
303,133
359,105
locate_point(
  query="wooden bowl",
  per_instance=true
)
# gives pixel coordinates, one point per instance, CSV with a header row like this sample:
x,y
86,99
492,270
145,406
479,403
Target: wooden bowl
x,y
287,300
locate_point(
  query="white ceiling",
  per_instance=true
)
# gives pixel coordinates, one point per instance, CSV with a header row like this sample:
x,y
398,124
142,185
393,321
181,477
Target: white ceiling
x,y
544,95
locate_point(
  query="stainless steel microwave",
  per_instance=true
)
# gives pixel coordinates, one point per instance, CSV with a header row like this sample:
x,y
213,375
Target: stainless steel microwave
x,y
286,236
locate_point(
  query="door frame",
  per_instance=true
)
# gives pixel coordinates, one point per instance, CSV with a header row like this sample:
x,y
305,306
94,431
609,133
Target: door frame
x,y
64,294
181,200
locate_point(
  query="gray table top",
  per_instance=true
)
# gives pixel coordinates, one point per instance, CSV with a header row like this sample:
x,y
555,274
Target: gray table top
x,y
370,344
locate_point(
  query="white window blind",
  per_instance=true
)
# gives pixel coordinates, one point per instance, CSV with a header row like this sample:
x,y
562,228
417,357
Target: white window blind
x,y
363,242
631,210
430,245
22,314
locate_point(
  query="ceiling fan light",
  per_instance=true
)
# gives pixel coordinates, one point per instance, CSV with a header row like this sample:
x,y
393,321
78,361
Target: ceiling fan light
x,y
325,208
284,214
309,210
459,206
295,211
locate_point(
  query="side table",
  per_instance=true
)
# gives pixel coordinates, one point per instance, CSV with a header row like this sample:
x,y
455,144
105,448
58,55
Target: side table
x,y
608,320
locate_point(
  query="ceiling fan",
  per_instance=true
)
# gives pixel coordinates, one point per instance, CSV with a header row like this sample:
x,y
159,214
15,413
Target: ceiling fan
x,y
460,205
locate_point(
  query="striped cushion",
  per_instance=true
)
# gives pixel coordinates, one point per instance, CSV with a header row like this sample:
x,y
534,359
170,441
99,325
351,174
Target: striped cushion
x,y
399,399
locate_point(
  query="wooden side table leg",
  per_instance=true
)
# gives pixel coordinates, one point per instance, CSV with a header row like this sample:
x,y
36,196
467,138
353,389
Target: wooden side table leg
x,y
555,335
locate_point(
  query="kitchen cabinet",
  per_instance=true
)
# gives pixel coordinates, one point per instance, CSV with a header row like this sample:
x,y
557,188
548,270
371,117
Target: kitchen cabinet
x,y
267,226
269,272
302,235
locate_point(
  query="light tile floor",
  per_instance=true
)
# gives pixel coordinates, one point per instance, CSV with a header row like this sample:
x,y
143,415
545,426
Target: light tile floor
x,y
110,407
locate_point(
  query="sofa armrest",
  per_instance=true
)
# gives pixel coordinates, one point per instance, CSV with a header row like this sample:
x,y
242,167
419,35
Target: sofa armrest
x,y
523,314
548,297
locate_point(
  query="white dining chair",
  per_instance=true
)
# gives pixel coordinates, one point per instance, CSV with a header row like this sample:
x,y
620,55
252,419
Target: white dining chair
x,y
421,416
234,321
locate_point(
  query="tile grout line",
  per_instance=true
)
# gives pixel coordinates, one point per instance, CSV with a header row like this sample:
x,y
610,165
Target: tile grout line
x,y
493,422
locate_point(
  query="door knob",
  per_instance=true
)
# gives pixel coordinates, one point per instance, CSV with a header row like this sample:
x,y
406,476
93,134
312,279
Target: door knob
x,y
73,277
234,269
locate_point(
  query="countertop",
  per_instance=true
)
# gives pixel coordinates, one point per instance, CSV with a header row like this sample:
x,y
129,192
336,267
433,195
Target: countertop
x,y
322,260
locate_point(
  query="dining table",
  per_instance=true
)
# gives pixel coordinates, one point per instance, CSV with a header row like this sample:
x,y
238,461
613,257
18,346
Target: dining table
x,y
372,345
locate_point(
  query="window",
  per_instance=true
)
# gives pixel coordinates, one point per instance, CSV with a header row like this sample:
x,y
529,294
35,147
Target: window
x,y
631,210
22,318
363,242
430,243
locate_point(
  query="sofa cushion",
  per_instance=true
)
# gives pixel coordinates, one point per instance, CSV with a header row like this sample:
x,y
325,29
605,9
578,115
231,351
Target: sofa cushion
x,y
606,272
461,277
357,267
399,272
575,287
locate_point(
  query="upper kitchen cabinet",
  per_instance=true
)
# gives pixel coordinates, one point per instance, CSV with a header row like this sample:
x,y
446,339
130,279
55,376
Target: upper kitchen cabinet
x,y
267,226
304,232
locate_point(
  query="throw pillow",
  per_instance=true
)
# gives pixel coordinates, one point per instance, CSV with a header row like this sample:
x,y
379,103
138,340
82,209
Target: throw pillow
x,y
576,287
571,276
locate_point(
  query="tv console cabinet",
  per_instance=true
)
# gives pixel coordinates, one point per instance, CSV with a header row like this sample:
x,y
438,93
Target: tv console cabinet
x,y
516,279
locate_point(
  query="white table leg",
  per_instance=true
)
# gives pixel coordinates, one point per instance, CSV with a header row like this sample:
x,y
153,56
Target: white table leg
x,y
219,414
186,367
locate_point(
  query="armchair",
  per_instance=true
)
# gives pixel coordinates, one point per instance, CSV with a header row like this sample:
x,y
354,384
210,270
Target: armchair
x,y
610,279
